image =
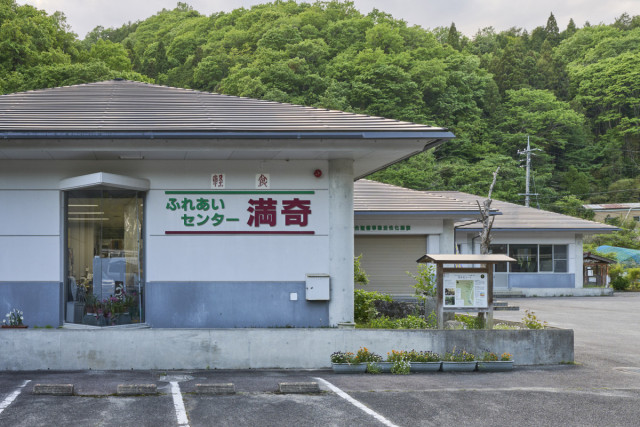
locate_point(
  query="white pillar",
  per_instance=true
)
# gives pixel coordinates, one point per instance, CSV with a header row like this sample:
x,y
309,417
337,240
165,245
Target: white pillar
x,y
447,244
341,241
578,262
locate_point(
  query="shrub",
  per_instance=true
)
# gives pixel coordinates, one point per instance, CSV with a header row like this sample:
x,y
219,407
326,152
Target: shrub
x,y
459,356
531,321
470,322
409,322
363,309
359,275
425,281
488,356
423,356
365,356
620,283
395,356
401,367
343,357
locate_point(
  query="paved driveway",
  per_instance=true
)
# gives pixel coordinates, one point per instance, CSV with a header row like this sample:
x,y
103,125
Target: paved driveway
x,y
602,389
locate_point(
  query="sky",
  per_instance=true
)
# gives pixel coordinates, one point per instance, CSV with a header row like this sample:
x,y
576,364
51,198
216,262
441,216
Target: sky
x,y
468,15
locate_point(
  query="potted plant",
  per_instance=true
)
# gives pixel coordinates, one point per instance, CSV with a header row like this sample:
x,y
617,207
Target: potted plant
x,y
346,363
458,361
424,361
492,362
14,320
385,366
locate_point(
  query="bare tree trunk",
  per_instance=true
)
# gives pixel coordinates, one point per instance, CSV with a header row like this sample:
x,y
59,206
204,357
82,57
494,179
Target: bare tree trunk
x,y
487,224
487,219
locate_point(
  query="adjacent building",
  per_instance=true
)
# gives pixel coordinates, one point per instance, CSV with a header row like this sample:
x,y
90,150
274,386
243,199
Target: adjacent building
x,y
546,245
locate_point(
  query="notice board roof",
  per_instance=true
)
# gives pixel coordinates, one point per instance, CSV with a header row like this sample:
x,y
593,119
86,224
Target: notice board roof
x,y
465,259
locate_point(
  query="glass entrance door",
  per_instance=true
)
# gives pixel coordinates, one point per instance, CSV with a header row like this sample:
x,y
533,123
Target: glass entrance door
x,y
105,284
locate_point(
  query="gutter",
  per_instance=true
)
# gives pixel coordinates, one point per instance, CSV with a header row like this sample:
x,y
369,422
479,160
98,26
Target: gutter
x,y
438,135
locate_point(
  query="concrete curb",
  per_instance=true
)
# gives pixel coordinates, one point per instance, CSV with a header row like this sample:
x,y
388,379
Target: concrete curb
x,y
223,388
136,389
304,387
54,389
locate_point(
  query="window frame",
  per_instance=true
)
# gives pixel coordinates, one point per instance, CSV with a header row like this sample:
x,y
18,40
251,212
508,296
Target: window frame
x,y
556,259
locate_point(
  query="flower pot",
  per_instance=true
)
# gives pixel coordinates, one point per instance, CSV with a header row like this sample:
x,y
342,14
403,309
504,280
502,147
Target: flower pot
x,y
90,319
458,366
497,365
14,326
123,319
349,368
425,366
383,366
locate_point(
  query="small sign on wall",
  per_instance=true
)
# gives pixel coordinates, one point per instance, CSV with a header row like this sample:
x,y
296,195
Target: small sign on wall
x,y
263,181
217,181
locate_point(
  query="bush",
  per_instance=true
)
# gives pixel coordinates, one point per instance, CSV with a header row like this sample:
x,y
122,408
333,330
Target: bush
x,y
470,322
363,309
409,322
620,283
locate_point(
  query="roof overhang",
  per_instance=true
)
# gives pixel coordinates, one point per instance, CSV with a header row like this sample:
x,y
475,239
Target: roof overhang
x,y
465,258
538,230
370,151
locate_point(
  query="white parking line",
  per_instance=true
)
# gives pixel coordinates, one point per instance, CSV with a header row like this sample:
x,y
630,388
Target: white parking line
x,y
178,403
9,399
356,403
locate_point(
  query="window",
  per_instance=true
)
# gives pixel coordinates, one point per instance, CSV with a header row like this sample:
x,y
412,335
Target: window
x,y
500,267
546,257
532,258
526,257
560,264
105,283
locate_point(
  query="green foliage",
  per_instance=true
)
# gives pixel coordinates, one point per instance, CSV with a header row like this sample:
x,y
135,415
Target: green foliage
x,y
409,322
574,92
620,278
363,307
531,321
359,275
425,281
457,355
365,356
401,367
470,322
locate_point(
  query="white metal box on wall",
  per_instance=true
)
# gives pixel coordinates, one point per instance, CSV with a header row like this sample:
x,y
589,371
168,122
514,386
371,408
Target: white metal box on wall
x,y
317,287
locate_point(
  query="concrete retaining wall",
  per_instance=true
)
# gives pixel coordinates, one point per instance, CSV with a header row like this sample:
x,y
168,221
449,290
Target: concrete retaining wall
x,y
117,349
565,292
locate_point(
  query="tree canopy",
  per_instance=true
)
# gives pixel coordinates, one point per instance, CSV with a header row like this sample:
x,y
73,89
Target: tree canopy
x,y
574,92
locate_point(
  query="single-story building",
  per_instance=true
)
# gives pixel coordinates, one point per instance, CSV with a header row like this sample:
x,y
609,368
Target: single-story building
x,y
394,226
547,245
608,211
123,201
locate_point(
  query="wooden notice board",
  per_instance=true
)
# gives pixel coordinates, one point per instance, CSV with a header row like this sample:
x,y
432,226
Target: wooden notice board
x,y
464,283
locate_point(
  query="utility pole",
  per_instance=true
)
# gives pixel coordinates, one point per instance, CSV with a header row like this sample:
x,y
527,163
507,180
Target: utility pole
x,y
528,152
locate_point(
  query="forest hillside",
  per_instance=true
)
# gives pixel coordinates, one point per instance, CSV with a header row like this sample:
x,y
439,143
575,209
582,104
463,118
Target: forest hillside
x,y
574,92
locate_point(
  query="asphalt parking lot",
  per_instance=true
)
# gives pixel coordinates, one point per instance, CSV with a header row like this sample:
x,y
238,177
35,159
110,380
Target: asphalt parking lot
x,y
601,389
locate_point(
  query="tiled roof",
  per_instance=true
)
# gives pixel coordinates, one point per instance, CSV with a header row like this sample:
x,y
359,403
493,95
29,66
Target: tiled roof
x,y
519,218
121,105
613,206
372,196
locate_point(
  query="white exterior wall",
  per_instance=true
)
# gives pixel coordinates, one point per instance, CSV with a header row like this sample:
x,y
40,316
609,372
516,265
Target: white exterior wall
x,y
29,234
30,241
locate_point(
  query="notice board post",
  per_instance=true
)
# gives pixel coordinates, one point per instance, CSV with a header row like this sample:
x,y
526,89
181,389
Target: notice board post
x,y
464,283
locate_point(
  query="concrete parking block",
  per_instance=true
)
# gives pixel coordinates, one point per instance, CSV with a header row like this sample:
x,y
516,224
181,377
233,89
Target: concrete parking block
x,y
54,389
223,388
304,387
136,389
